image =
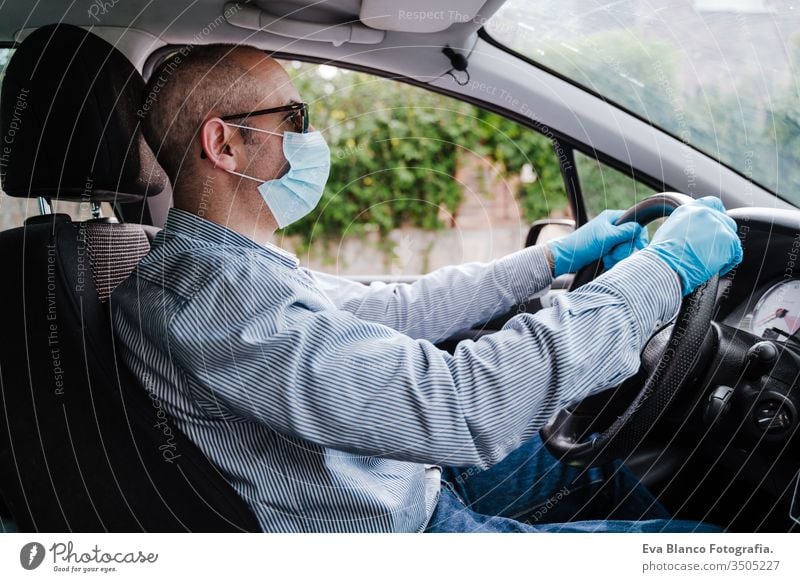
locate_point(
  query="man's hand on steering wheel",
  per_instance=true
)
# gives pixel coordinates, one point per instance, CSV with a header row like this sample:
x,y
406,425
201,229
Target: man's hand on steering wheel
x,y
697,242
599,238
692,241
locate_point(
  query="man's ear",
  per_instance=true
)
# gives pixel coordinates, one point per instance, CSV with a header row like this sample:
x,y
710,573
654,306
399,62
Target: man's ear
x,y
218,143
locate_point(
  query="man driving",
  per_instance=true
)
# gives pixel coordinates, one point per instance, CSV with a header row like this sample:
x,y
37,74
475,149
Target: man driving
x,y
324,402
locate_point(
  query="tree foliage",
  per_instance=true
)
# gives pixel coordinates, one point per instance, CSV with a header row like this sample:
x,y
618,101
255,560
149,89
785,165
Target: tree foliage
x,y
395,150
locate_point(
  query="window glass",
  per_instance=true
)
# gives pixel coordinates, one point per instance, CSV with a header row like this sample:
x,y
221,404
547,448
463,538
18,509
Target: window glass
x,y
5,56
604,188
721,75
418,180
14,211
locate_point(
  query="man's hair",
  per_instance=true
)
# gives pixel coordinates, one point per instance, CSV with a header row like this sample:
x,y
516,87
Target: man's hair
x,y
191,85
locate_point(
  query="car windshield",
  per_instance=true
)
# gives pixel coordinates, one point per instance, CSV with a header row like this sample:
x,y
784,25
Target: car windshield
x,y
721,75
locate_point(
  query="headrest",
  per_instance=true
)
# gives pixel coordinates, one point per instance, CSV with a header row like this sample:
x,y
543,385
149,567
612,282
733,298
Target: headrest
x,y
69,124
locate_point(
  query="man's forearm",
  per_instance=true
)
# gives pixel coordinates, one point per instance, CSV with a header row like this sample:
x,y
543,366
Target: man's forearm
x,y
449,300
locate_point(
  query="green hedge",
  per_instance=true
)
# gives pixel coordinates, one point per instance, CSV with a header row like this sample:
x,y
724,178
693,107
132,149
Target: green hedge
x,y
395,150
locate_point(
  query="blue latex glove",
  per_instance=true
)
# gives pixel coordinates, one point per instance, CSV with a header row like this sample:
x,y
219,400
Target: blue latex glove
x,y
595,239
697,241
625,250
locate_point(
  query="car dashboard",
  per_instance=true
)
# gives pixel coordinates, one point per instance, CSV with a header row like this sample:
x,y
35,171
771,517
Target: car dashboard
x,y
749,407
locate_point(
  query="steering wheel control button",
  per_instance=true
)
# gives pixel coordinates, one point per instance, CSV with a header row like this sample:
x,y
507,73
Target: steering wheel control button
x,y
774,416
760,359
718,404
763,352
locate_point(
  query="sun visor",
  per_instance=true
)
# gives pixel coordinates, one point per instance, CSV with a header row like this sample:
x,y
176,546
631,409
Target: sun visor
x,y
419,16
251,17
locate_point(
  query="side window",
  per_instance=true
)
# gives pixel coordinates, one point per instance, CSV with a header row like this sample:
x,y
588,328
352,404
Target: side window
x,y
604,187
418,180
14,211
5,56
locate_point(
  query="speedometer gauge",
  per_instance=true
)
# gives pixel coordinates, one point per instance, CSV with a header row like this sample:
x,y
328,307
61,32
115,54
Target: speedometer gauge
x,y
779,307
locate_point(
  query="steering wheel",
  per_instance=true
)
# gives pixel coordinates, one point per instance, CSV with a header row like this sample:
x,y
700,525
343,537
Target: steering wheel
x,y
586,434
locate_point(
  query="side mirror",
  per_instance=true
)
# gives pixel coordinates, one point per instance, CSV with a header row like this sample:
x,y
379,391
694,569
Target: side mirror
x,y
547,229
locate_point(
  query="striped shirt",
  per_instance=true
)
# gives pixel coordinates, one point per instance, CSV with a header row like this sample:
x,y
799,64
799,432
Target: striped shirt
x,y
326,404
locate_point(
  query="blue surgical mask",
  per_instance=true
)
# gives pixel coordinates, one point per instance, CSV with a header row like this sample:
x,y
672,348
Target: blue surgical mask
x,y
298,191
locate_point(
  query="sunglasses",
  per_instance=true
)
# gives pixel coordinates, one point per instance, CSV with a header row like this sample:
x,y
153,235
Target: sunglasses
x,y
298,117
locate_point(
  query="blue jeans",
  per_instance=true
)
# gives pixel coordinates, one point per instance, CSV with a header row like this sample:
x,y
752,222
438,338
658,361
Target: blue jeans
x,y
531,491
